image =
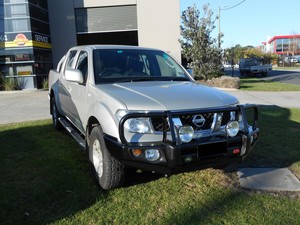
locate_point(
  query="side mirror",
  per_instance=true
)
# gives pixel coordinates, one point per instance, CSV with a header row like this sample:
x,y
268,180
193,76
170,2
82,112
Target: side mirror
x,y
74,75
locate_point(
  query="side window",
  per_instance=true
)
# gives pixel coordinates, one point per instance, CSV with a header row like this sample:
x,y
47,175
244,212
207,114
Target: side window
x,y
60,64
82,64
70,59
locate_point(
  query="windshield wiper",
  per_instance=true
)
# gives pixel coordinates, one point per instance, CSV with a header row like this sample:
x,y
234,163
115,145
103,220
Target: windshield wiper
x,y
154,78
134,79
174,79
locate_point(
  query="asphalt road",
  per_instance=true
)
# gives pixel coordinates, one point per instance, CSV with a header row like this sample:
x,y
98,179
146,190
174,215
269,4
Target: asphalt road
x,y
289,77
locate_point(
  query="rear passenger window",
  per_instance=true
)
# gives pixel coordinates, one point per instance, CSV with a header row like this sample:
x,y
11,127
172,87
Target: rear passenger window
x,y
82,64
70,59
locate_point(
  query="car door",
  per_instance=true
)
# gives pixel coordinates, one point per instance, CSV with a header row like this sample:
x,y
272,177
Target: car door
x,y
63,91
76,101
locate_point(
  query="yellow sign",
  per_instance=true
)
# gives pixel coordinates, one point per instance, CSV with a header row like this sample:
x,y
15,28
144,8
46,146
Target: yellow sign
x,y
22,41
22,73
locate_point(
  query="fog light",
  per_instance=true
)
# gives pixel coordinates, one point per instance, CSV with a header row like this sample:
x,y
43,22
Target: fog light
x,y
152,154
186,133
232,128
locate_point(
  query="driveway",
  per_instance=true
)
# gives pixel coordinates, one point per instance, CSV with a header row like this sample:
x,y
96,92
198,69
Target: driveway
x,y
286,99
21,106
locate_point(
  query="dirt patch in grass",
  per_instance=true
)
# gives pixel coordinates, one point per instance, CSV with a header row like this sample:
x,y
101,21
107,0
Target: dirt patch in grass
x,y
222,82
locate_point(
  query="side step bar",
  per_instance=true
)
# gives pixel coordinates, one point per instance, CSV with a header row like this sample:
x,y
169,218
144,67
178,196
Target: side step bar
x,y
72,131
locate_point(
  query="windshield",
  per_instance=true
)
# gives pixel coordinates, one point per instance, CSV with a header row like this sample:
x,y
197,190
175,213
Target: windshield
x,y
130,65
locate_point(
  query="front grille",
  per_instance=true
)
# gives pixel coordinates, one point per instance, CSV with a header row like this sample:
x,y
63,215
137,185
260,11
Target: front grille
x,y
187,119
158,124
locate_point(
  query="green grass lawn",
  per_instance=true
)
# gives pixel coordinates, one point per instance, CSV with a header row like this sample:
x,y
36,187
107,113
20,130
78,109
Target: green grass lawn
x,y
45,179
256,84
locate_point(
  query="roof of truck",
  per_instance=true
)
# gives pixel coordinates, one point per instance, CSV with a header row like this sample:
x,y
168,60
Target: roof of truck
x,y
114,47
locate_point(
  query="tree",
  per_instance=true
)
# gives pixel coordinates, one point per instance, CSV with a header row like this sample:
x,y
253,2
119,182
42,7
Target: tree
x,y
234,54
198,47
258,53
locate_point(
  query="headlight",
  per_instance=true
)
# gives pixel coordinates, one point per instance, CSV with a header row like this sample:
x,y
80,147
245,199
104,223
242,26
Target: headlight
x,y
232,128
152,154
139,125
186,133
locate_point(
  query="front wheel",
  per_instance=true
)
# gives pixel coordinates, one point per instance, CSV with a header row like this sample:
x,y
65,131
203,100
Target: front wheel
x,y
108,171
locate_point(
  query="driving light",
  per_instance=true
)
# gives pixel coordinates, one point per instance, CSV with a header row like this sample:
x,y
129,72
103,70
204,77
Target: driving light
x,y
232,128
152,154
186,133
139,125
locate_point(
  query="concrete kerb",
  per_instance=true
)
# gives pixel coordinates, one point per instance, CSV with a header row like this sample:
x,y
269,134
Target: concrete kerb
x,y
268,179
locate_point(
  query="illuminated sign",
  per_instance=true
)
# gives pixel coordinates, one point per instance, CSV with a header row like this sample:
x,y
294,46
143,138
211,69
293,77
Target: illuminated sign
x,y
21,40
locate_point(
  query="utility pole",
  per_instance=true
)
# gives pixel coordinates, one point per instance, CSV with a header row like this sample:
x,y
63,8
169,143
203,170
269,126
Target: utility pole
x,y
219,31
219,18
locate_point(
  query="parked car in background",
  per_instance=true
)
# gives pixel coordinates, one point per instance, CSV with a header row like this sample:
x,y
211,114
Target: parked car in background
x,y
290,59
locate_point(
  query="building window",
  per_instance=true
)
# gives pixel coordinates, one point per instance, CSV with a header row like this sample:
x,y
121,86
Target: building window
x,y
298,44
285,45
16,25
279,47
103,19
16,11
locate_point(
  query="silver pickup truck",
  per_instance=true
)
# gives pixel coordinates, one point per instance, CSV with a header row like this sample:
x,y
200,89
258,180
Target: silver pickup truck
x,y
137,107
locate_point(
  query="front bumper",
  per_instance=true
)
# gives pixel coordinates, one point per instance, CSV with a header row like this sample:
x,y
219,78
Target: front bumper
x,y
176,157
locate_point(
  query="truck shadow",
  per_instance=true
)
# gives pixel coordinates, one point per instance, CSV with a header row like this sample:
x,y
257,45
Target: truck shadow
x,y
43,174
278,145
136,177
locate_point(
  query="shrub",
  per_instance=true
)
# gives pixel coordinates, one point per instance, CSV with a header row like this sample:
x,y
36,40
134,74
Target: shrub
x,y
224,82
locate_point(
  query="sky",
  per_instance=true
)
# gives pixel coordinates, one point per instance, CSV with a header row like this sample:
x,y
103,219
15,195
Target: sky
x,y
253,21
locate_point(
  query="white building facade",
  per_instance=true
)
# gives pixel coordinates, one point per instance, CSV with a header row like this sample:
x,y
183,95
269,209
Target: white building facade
x,y
146,23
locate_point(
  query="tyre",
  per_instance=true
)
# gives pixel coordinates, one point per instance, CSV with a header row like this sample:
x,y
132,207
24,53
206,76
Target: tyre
x,y
242,73
108,171
264,74
55,115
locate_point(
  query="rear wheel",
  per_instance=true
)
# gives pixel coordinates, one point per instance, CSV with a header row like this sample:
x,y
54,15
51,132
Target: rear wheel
x,y
108,171
55,115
